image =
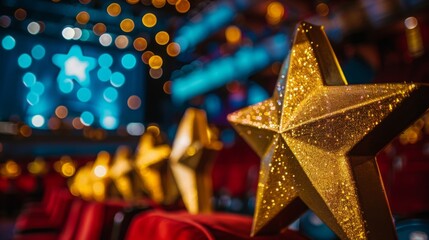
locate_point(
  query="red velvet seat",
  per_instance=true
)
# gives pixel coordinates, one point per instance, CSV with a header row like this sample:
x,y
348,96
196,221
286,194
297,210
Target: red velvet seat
x,y
68,230
50,220
179,225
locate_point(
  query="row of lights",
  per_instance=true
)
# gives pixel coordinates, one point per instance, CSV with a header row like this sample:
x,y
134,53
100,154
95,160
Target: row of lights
x,y
64,166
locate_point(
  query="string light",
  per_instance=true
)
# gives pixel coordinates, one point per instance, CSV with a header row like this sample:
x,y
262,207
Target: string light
x,y
76,123
162,38
149,20
127,25
114,9
140,44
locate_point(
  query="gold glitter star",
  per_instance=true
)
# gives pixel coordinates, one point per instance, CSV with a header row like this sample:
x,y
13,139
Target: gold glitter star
x,y
119,171
191,160
152,167
317,137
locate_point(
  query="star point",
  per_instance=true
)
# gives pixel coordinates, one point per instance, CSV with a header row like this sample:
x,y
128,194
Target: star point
x,y
317,138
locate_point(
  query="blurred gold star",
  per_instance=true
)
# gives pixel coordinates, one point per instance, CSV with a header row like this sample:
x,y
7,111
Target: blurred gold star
x,y
317,137
119,172
99,175
152,167
191,160
81,184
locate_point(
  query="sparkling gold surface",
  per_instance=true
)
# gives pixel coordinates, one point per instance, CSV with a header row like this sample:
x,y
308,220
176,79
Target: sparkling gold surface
x,y
152,167
308,136
119,172
191,160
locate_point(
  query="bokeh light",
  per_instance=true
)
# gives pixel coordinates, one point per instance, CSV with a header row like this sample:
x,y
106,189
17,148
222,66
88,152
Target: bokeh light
x,y
135,128
104,74
8,42
68,33
167,87
275,12
25,131
87,118
29,79
182,6
140,44
155,73
76,123
128,61
158,3
105,60
105,39
20,14
411,22
99,29
117,79
24,60
233,34
149,20
38,52
110,94
32,98
61,112
5,21
146,56
83,17
109,122
162,38
322,9
133,1
173,49
114,9
134,102
155,62
84,94
33,28
121,41
127,25
38,120
77,33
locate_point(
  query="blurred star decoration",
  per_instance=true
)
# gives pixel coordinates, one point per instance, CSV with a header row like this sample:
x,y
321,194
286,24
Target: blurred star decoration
x,y
99,176
192,155
119,173
317,138
151,164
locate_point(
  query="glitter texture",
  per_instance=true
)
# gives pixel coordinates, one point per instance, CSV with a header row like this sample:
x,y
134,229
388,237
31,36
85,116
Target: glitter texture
x,y
317,138
191,158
